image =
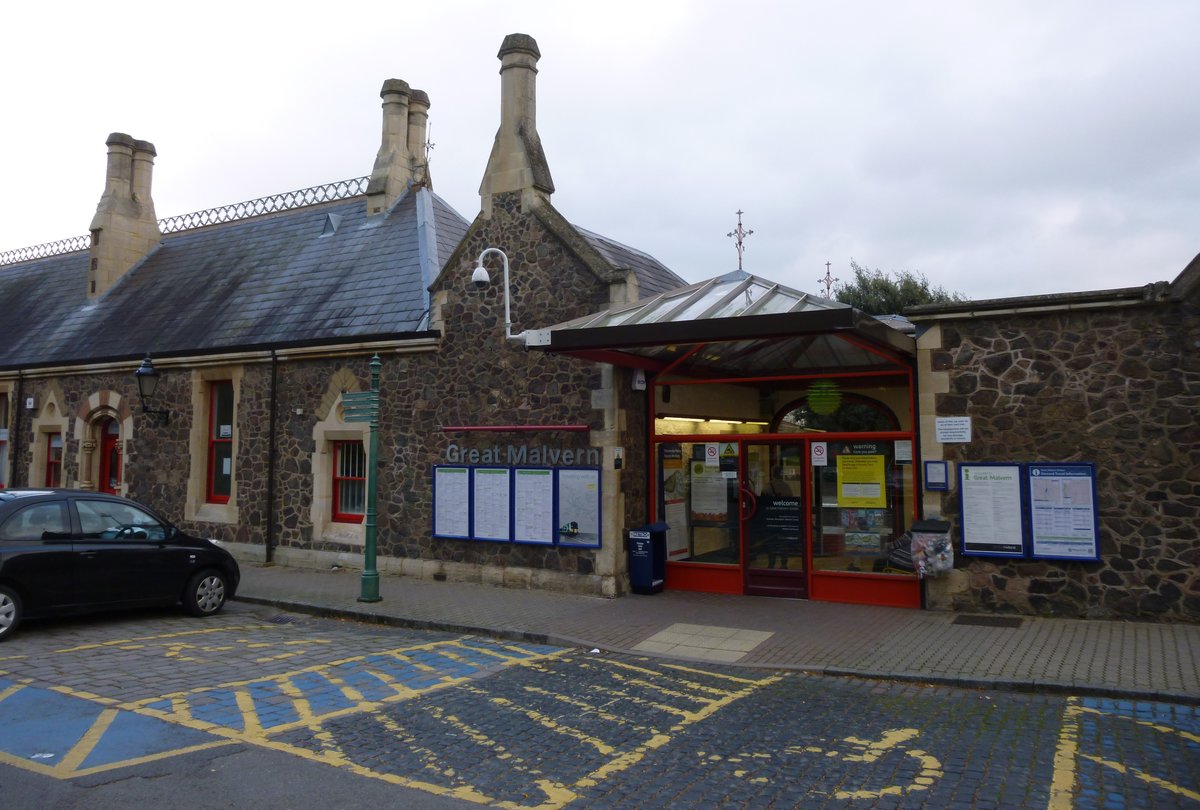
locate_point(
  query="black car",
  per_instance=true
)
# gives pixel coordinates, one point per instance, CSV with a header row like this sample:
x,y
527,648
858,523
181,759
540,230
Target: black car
x,y
72,551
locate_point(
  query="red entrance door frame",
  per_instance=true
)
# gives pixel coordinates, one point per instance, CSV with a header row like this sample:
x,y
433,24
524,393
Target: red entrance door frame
x,y
110,457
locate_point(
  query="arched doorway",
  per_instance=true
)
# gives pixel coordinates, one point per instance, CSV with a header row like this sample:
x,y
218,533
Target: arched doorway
x,y
109,433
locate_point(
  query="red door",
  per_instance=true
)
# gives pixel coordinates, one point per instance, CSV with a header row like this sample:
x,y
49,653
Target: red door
x,y
110,457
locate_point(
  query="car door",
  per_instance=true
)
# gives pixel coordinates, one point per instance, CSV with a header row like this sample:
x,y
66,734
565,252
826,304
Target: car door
x,y
122,554
36,554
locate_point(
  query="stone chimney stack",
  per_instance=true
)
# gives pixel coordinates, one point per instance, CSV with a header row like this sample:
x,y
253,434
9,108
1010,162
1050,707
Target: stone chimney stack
x,y
517,162
125,227
393,169
418,133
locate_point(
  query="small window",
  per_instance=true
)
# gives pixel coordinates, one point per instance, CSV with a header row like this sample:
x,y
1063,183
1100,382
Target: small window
x,y
220,441
349,482
54,457
39,521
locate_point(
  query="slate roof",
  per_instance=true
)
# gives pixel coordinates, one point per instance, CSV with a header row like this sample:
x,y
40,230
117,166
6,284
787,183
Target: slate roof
x,y
324,272
653,276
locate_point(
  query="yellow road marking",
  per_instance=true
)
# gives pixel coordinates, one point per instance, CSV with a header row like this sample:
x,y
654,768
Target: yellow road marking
x,y
1146,723
79,752
12,690
1145,777
158,637
550,723
1062,783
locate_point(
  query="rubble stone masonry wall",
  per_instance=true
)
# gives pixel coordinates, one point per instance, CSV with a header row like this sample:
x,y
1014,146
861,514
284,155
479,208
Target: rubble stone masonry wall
x,y
1118,387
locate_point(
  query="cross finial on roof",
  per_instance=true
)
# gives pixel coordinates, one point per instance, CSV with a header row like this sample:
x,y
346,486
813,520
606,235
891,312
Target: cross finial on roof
x,y
828,281
741,234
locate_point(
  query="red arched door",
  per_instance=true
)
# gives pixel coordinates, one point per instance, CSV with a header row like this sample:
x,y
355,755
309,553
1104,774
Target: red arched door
x,y
110,457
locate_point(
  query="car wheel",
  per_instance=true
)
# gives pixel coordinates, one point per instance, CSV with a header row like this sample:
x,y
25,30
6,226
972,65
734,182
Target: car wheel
x,y
10,611
205,593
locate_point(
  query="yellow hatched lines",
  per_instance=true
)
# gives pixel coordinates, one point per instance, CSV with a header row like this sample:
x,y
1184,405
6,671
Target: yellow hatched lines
x,y
1062,784
68,766
705,699
139,642
183,707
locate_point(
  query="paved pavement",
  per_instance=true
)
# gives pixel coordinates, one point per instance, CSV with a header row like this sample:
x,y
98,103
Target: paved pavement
x,y
1141,660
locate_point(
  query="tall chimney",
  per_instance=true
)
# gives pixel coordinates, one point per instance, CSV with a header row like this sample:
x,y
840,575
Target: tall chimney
x,y
517,162
393,164
124,228
418,124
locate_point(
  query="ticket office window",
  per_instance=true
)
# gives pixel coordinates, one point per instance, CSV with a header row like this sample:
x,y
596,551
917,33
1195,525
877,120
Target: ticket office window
x,y
698,499
859,508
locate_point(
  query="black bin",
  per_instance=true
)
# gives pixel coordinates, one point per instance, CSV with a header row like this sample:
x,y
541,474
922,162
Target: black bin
x,y
648,558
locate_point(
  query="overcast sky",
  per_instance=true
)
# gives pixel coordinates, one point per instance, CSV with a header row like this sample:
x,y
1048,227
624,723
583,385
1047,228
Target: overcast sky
x,y
1001,149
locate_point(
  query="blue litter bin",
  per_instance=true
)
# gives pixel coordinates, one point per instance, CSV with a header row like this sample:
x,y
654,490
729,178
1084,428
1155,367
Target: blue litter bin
x,y
648,558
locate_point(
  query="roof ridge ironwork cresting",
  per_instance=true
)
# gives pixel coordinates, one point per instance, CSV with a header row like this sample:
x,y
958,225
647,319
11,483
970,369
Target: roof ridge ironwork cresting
x,y
285,201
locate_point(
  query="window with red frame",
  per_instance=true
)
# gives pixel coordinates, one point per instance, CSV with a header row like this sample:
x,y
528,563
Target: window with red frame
x,y
349,482
54,455
220,441
3,440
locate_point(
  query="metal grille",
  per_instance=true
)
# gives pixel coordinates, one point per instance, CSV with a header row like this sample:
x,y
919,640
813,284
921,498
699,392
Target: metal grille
x,y
340,190
48,249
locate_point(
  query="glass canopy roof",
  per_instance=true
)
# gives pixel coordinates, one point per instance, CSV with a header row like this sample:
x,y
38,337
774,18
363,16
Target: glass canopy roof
x,y
736,325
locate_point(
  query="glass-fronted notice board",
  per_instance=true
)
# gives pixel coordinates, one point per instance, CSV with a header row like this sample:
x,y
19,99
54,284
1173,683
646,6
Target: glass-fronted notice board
x,y
990,505
1064,520
536,505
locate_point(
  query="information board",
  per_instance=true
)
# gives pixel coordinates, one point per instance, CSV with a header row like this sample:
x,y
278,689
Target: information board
x,y
579,507
491,502
990,504
451,502
1064,520
533,495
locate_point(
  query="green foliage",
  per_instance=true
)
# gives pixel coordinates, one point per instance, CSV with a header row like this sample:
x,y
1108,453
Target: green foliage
x,y
879,293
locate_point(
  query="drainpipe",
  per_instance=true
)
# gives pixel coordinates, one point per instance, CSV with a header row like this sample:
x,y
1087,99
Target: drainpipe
x,y
271,445
14,446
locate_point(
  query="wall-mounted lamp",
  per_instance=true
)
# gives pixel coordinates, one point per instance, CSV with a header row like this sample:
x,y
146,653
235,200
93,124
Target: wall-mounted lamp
x,y
480,278
147,382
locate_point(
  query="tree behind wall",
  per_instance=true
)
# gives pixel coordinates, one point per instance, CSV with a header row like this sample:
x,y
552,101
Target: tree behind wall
x,y
879,293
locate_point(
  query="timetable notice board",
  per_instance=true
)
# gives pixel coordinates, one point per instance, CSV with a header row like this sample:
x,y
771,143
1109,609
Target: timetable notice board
x,y
1063,518
534,505
1043,510
990,503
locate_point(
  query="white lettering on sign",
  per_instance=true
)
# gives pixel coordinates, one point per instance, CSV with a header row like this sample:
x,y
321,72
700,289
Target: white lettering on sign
x,y
521,455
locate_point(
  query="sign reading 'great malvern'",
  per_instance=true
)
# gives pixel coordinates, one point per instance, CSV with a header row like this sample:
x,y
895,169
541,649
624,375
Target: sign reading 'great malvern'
x,y
520,455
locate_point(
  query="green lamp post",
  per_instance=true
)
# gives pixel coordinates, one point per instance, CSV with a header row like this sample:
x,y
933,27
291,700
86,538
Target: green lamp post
x,y
363,406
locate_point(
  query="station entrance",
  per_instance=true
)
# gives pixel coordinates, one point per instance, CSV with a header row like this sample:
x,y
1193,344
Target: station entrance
x,y
781,438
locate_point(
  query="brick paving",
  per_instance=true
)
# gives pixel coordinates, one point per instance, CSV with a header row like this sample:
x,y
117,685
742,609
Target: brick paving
x,y
1141,660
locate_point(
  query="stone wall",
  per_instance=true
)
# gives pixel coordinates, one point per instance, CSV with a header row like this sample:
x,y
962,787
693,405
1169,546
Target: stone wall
x,y
1117,386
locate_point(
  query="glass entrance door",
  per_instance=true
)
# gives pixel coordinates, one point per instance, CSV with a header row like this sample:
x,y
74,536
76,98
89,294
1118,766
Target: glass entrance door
x,y
771,513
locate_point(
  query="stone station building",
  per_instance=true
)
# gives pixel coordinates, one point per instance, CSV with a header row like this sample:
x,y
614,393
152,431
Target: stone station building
x,y
260,317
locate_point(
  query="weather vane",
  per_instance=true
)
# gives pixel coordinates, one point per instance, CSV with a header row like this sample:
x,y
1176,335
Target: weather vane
x,y
828,281
741,234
